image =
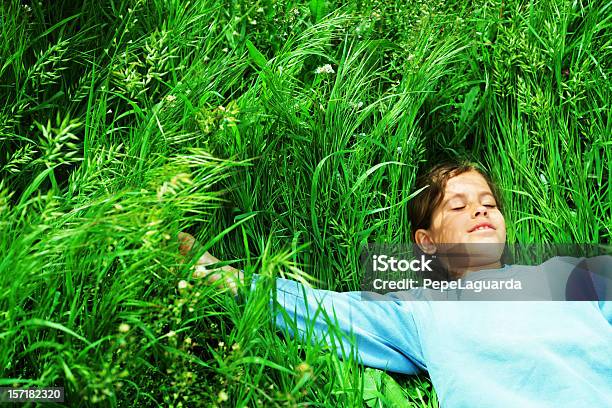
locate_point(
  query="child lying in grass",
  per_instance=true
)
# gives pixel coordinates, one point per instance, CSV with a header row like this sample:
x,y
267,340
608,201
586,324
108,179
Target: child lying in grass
x,y
478,354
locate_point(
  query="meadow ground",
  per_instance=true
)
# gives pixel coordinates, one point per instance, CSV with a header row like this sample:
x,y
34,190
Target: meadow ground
x,y
283,135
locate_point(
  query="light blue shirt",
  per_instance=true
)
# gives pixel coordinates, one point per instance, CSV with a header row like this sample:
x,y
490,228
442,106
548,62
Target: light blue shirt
x,y
477,353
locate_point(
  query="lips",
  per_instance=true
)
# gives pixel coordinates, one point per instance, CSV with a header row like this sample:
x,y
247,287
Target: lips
x,y
483,226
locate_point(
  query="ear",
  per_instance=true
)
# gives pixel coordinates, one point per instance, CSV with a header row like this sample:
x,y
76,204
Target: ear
x,y
423,239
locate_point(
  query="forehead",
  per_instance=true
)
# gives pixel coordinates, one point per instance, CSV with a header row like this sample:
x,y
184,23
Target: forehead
x,y
468,182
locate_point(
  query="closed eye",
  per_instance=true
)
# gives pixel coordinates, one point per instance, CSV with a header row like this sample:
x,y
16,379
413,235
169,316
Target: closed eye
x,y
458,208
490,205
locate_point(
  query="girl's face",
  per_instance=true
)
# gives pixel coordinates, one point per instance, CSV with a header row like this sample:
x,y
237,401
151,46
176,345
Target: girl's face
x,y
468,214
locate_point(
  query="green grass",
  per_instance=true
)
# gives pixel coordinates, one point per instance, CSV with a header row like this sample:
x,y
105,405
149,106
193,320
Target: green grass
x,y
125,122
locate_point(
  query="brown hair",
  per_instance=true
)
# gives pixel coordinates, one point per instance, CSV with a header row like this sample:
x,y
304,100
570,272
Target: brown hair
x,y
423,205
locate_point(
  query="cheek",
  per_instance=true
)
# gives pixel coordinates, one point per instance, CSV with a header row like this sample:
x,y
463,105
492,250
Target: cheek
x,y
438,227
452,227
502,223
501,220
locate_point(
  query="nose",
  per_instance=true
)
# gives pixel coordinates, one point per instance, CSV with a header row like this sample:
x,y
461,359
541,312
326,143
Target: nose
x,y
480,210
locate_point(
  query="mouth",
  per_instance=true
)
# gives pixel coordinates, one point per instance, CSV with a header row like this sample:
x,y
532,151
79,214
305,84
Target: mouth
x,y
485,226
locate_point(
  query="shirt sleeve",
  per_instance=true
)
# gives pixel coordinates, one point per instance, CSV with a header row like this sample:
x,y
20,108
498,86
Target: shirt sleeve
x,y
383,327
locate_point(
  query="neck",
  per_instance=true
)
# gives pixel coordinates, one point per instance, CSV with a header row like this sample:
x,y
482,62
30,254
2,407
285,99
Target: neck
x,y
461,272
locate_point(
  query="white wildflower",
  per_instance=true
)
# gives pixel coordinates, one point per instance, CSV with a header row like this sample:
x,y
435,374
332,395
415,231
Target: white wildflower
x,y
325,69
183,284
124,328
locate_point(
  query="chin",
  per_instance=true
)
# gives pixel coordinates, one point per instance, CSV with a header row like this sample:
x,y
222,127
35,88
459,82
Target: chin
x,y
488,239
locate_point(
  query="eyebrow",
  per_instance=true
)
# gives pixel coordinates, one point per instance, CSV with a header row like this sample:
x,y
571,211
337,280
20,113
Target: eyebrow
x,y
463,195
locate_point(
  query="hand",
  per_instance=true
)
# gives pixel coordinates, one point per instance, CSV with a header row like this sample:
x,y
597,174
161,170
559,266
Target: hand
x,y
224,276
